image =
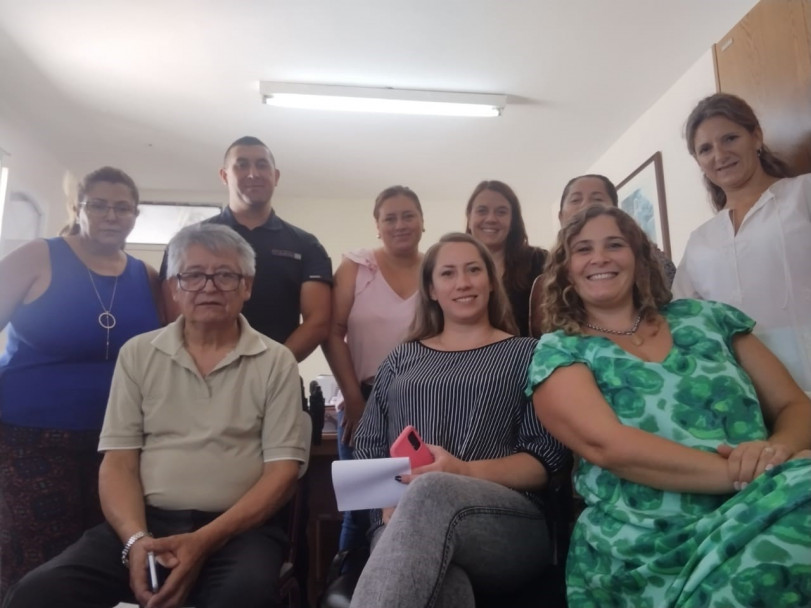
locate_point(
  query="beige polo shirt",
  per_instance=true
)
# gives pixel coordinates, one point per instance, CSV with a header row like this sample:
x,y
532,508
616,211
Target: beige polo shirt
x,y
204,440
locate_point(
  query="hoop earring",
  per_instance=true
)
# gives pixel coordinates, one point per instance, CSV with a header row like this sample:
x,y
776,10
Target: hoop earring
x,y
566,295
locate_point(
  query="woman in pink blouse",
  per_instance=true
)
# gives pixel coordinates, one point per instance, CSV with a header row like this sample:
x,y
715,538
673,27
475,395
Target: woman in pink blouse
x,y
374,298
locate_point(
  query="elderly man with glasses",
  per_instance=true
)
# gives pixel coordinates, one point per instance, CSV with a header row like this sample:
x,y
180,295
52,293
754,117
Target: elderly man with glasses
x,y
203,441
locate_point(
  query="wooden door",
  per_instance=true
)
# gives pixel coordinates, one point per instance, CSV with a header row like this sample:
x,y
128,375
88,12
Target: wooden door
x,y
766,60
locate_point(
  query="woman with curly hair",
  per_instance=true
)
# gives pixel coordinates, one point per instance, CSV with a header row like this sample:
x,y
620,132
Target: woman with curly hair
x,y
694,439
581,192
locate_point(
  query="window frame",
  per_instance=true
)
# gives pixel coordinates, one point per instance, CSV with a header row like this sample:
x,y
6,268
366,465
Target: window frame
x,y
202,212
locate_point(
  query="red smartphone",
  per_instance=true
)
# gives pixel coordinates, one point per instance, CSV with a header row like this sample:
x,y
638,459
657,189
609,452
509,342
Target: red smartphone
x,y
409,444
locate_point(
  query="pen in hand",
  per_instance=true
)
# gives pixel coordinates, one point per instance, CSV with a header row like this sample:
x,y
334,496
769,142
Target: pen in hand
x,y
153,572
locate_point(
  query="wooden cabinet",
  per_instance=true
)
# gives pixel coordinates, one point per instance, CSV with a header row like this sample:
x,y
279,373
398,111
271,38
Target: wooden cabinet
x,y
324,524
766,60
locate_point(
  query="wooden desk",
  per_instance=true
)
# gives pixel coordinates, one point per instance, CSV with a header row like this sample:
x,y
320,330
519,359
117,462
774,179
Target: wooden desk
x,y
328,447
324,526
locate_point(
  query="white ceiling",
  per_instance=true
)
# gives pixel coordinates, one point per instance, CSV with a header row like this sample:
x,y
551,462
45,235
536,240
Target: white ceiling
x,y
161,87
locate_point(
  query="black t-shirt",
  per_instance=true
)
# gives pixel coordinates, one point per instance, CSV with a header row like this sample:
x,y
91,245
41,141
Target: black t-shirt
x,y
519,299
286,257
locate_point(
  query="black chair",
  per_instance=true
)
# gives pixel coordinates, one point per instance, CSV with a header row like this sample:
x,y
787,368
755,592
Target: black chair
x,y
292,578
548,590
342,577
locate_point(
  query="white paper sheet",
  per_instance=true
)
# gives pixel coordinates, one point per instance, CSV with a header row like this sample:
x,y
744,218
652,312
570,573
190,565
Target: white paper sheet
x,y
368,484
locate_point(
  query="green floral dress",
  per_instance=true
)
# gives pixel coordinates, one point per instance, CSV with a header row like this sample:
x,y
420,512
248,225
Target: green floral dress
x,y
640,547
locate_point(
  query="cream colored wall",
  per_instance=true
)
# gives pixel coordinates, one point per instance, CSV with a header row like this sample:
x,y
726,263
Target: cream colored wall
x,y
661,129
32,168
34,171
341,225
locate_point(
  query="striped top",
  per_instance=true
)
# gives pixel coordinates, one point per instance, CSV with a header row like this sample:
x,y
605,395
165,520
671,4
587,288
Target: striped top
x,y
470,402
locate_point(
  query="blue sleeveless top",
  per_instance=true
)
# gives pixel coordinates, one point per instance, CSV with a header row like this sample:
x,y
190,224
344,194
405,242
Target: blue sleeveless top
x,y
53,372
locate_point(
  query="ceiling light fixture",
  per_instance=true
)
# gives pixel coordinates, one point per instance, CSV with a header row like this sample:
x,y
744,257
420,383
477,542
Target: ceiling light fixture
x,y
381,100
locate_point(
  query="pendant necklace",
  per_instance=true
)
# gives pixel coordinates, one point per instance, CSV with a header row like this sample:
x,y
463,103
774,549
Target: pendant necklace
x,y
635,340
106,318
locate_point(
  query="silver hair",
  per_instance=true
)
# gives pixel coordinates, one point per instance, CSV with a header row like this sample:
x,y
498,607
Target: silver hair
x,y
215,238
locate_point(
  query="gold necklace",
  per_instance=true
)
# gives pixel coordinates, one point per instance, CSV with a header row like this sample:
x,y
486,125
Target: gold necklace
x,y
106,318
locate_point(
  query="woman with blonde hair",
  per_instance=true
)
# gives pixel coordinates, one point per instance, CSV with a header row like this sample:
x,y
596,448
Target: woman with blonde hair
x,y
694,439
471,521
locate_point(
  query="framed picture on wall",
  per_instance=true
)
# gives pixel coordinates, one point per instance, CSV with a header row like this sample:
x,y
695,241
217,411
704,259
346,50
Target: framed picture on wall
x,y
642,196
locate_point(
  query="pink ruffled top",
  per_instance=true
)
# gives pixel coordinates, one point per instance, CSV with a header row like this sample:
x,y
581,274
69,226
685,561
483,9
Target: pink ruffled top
x,y
379,318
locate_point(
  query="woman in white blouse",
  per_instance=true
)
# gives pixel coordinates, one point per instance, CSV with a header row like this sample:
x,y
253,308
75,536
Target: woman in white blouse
x,y
755,254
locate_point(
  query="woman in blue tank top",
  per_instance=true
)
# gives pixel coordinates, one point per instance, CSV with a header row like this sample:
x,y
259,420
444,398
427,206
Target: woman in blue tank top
x,y
69,303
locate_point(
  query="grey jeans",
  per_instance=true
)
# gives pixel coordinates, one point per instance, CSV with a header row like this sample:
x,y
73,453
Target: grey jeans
x,y
449,535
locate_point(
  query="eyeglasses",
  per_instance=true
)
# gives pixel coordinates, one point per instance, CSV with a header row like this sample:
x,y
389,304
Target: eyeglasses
x,y
102,208
196,281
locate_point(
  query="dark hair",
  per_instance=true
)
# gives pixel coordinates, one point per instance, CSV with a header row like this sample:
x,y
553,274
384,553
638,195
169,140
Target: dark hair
x,y
562,307
391,192
110,175
429,320
610,188
738,111
249,140
517,252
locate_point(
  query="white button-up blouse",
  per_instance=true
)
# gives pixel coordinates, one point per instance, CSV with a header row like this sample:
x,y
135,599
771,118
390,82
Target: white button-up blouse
x,y
764,270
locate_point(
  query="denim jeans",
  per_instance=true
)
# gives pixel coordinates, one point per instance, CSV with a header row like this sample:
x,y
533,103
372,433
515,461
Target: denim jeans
x,y
449,535
355,523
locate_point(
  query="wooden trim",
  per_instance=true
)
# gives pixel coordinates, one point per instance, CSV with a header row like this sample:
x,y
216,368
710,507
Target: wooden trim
x,y
658,165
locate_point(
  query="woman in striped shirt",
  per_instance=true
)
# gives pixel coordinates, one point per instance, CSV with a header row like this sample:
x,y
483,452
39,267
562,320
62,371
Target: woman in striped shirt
x,y
471,520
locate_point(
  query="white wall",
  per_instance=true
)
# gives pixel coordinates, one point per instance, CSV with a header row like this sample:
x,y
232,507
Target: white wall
x,y
340,224
661,129
343,225
33,169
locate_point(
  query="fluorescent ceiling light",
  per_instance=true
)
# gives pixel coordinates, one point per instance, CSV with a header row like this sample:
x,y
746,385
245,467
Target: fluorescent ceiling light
x,y
3,188
390,101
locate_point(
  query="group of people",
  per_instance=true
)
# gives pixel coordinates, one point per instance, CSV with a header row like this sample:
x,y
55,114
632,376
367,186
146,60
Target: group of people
x,y
186,382
688,416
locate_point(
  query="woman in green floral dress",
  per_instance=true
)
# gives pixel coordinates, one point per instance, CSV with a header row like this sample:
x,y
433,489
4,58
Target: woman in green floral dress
x,y
694,439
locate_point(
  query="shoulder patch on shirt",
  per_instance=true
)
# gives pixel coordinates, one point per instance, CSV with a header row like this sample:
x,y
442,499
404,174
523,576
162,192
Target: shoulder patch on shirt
x,y
284,253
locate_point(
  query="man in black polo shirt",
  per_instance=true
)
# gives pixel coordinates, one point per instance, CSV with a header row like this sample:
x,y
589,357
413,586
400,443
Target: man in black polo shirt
x,y
293,278
293,271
